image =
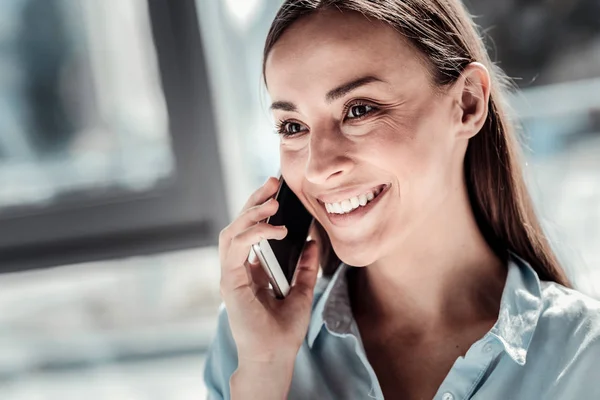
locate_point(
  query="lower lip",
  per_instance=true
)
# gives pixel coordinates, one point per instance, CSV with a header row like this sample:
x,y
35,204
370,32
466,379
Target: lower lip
x,y
357,214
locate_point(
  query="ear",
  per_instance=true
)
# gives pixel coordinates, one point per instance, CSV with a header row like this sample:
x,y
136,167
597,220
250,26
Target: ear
x,y
472,95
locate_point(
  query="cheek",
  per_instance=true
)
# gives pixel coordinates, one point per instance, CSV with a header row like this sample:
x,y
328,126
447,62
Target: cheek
x,y
415,150
430,161
292,159
401,144
293,165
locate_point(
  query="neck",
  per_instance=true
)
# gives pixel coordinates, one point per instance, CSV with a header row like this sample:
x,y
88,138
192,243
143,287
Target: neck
x,y
443,277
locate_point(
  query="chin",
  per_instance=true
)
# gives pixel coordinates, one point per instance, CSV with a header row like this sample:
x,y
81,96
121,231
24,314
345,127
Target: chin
x,y
357,256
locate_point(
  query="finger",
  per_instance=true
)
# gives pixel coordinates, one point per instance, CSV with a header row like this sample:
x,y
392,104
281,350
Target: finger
x,y
254,215
256,272
307,271
258,276
249,218
252,257
260,279
233,270
262,194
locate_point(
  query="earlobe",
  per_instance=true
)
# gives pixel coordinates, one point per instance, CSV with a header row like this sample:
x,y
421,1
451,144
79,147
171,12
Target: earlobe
x,y
474,95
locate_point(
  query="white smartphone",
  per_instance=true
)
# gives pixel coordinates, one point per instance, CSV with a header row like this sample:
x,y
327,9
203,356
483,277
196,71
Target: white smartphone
x,y
279,258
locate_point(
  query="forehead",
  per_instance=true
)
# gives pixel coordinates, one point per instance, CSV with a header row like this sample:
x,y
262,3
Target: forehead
x,y
330,46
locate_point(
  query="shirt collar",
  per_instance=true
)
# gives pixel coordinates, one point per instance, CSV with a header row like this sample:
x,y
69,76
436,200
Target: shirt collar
x,y
520,308
333,305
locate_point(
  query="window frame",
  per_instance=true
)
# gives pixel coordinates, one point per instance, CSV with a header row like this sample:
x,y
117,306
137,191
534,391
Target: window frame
x,y
188,211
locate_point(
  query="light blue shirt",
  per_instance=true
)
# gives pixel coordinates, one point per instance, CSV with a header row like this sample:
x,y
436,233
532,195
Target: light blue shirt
x,y
544,345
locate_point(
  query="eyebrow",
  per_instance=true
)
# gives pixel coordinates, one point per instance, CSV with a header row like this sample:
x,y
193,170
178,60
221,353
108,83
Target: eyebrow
x,y
332,95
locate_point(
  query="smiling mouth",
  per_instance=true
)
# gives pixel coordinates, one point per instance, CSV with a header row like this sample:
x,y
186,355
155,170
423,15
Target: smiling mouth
x,y
352,204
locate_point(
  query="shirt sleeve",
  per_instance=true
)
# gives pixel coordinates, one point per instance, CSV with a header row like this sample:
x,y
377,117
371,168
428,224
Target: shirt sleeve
x,y
578,354
581,374
222,360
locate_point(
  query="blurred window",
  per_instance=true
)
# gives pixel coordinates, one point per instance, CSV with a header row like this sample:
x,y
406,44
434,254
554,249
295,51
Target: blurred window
x,y
84,108
234,33
106,132
109,162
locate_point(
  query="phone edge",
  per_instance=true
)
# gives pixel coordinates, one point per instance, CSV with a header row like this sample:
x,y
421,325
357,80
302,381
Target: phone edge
x,y
271,266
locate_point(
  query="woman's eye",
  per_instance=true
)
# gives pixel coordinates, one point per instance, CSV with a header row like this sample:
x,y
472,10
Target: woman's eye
x,y
358,111
289,128
293,127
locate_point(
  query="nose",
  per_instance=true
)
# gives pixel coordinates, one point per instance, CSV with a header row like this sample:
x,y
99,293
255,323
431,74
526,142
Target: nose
x,y
329,157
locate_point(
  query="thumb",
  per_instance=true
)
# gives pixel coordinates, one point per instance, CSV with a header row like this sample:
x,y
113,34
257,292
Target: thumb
x,y
307,270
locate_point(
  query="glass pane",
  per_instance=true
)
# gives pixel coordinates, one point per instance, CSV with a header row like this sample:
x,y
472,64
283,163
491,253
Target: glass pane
x,y
81,107
133,329
83,120
562,126
233,33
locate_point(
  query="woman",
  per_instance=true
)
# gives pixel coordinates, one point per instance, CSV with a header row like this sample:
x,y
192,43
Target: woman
x,y
455,293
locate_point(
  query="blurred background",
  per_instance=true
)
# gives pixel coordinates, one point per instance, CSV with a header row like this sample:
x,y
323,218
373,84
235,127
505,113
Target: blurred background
x,y
132,131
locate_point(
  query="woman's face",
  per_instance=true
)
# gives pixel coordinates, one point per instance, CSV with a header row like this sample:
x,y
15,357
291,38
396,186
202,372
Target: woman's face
x,y
358,115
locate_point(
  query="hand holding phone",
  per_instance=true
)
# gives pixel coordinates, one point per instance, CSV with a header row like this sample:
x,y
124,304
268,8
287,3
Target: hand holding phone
x,y
265,329
279,258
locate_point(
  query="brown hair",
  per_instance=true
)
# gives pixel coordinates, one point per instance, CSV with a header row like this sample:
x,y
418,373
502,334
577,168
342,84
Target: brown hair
x,y
445,34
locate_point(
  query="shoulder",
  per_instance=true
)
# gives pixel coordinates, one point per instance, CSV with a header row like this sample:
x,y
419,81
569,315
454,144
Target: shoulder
x,y
570,308
563,354
221,360
568,332
569,314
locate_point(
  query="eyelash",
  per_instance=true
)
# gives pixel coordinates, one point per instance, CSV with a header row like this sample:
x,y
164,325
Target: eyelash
x,y
281,124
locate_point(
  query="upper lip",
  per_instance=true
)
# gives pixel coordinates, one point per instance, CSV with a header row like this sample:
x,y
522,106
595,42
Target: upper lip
x,y
346,193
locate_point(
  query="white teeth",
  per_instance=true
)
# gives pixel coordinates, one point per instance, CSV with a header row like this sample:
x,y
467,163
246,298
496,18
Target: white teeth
x,y
337,208
362,199
346,205
352,203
